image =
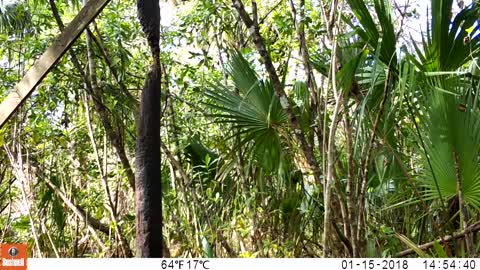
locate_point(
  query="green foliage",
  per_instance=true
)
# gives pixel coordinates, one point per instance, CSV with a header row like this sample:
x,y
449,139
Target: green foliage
x,y
449,44
451,148
240,185
384,40
14,18
440,251
256,114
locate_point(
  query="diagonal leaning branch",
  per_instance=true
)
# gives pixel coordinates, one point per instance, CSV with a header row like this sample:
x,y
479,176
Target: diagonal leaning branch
x,y
112,132
254,29
48,59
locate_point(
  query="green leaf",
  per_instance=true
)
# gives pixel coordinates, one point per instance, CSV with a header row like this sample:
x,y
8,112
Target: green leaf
x,y
411,245
256,113
207,248
439,250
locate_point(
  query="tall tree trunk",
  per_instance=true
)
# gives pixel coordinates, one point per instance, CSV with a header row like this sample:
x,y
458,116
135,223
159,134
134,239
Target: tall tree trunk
x,y
148,195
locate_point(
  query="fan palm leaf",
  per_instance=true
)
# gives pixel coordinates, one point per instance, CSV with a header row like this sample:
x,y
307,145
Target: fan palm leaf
x,y
453,147
255,112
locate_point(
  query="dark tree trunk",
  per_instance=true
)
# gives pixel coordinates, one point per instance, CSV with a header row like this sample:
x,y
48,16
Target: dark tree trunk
x,y
148,195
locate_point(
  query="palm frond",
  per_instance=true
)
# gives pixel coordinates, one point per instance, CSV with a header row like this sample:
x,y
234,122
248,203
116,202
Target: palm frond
x,y
384,40
453,142
255,112
449,44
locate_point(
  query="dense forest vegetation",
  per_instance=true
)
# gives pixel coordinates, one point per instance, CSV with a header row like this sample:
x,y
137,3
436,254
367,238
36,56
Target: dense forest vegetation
x,y
288,128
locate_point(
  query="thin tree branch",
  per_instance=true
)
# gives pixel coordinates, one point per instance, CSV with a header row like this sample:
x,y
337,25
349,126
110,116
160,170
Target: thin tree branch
x,y
366,162
187,180
461,206
127,252
103,51
101,109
